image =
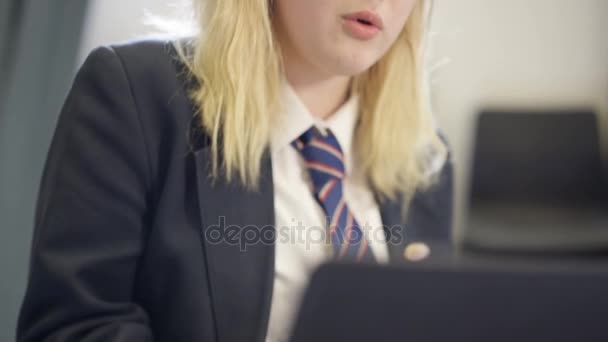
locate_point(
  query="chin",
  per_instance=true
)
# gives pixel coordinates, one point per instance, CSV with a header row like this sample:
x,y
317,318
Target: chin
x,y
354,64
353,70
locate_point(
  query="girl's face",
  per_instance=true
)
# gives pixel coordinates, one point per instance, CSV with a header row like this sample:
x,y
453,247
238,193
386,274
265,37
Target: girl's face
x,y
339,37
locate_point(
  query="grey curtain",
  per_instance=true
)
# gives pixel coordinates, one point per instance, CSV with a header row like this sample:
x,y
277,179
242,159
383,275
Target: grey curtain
x,y
10,13
38,46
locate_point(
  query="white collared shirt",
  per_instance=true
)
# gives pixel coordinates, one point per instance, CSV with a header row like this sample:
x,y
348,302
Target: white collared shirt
x,y
300,221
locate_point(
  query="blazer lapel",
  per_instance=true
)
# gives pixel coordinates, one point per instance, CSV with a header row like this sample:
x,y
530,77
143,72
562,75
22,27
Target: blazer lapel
x,y
238,241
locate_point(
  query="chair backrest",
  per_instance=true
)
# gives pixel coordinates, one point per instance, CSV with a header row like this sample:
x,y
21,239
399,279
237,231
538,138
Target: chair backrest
x,y
538,157
538,184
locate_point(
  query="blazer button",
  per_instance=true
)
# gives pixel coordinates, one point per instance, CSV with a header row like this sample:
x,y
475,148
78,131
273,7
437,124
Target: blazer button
x,y
416,251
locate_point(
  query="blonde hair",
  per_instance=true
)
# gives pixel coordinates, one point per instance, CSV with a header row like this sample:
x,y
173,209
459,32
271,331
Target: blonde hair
x,y
236,59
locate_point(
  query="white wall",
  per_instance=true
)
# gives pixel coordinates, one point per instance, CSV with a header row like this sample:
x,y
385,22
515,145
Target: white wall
x,y
516,53
533,53
110,21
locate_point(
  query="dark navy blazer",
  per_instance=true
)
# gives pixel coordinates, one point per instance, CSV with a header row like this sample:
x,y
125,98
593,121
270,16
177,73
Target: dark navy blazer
x,y
120,249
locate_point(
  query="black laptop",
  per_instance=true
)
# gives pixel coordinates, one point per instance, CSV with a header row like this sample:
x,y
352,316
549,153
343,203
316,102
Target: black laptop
x,y
456,302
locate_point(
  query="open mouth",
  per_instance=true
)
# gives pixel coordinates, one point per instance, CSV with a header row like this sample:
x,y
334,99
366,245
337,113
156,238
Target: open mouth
x,y
365,22
363,25
367,18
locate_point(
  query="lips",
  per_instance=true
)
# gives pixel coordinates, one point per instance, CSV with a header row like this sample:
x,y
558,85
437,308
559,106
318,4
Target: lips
x,y
364,25
368,18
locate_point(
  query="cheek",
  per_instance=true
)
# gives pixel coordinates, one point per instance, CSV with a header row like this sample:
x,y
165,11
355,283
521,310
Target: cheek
x,y
300,19
298,15
402,9
400,13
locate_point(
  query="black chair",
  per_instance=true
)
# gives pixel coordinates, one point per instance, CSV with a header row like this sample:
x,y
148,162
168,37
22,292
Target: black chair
x,y
538,184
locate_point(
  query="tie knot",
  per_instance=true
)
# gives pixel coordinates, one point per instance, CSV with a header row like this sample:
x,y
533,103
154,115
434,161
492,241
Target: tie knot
x,y
322,154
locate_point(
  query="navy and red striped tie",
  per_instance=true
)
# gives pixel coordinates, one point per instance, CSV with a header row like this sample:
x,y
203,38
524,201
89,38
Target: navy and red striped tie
x,y
324,160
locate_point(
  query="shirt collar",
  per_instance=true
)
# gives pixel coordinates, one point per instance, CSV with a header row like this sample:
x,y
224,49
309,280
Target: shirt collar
x,y
296,119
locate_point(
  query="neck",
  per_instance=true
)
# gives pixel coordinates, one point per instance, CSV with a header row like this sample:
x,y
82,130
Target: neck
x,y
321,94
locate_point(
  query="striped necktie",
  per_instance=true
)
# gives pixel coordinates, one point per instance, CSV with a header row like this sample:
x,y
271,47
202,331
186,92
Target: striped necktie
x,y
325,163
